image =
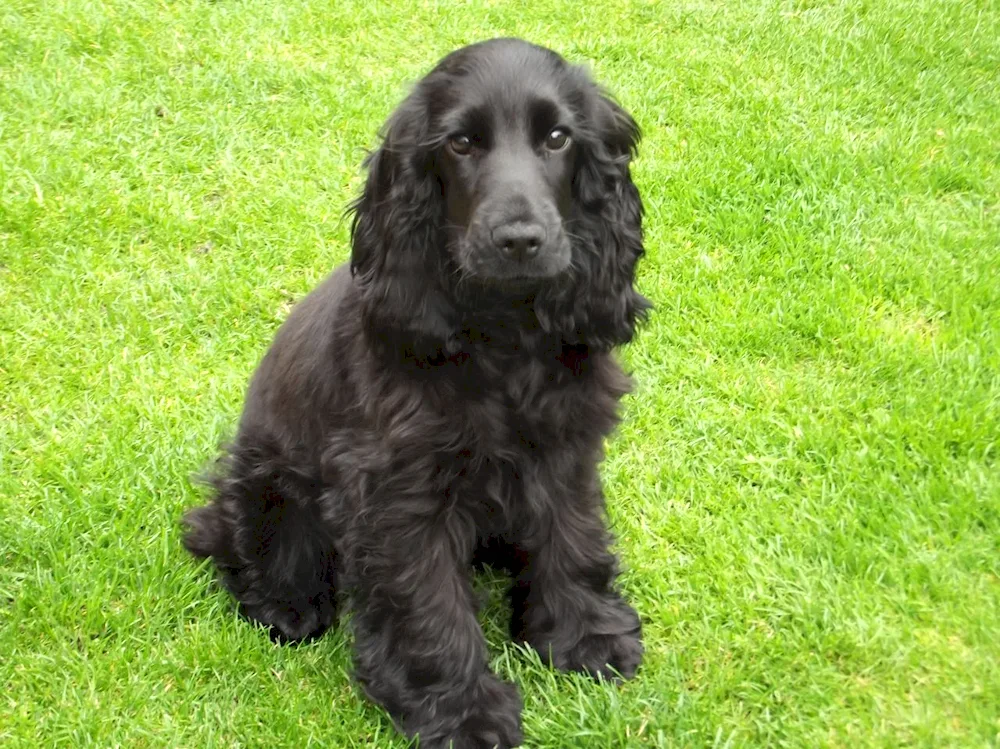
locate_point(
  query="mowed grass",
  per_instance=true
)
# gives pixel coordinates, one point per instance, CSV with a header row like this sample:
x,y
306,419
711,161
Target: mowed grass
x,y
806,485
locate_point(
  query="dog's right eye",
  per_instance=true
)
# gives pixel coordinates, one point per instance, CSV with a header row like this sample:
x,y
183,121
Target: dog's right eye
x,y
460,144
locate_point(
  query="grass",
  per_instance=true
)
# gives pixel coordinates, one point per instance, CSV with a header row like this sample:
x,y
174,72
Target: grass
x,y
806,486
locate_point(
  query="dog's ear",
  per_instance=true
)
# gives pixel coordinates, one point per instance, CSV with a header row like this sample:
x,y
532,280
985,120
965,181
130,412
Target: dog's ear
x,y
395,231
612,140
609,209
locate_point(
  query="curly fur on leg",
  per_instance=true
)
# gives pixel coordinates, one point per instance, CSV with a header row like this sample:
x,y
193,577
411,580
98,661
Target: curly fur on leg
x,y
273,554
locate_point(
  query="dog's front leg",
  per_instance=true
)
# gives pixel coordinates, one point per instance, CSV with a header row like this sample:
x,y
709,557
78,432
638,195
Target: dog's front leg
x,y
564,600
419,649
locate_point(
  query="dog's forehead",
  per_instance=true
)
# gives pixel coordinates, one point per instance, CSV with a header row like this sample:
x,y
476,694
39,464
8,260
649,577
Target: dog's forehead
x,y
503,79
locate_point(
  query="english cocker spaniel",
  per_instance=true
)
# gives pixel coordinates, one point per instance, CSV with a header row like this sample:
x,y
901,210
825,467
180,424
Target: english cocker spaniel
x,y
441,401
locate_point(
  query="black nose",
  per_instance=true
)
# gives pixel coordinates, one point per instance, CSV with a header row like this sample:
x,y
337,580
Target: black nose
x,y
519,240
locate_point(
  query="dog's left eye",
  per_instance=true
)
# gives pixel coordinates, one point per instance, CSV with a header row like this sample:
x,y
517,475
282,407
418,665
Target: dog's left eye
x,y
557,140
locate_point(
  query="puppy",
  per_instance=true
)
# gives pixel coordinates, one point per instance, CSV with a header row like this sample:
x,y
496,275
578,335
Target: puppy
x,y
442,401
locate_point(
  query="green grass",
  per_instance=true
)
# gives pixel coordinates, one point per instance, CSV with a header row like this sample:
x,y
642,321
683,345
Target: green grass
x,y
806,486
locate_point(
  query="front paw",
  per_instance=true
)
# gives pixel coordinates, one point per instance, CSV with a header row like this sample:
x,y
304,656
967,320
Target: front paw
x,y
492,721
611,657
609,647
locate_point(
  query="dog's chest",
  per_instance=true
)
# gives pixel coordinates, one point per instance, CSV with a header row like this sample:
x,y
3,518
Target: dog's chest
x,y
513,427
522,412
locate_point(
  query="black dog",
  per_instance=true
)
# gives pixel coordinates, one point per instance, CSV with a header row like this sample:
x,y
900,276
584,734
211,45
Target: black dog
x,y
443,401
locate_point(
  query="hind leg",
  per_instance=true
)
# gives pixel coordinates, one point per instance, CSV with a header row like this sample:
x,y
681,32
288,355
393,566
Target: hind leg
x,y
273,549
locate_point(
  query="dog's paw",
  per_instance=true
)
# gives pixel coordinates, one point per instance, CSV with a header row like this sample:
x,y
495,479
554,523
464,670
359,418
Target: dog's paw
x,y
492,722
611,657
610,646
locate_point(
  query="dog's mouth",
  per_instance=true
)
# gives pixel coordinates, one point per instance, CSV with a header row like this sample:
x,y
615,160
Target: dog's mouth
x,y
518,285
482,263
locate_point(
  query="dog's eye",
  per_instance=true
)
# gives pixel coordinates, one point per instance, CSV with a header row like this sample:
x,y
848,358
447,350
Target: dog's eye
x,y
557,140
460,144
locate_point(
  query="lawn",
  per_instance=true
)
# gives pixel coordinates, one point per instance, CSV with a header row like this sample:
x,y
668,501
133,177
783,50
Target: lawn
x,y
806,484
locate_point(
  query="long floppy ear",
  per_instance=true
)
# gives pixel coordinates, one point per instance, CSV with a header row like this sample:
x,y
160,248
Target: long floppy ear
x,y
396,234
609,211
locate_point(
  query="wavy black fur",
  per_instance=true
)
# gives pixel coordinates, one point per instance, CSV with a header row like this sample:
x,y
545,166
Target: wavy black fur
x,y
409,420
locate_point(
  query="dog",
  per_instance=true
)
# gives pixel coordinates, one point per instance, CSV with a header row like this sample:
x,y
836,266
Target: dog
x,y
441,401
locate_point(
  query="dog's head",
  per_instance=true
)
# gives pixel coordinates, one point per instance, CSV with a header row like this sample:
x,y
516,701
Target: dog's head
x,y
503,179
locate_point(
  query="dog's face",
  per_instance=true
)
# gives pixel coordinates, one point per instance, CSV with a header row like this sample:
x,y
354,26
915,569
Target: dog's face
x,y
505,163
502,184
